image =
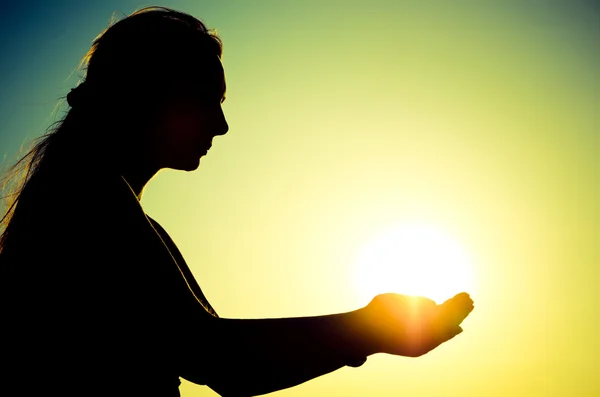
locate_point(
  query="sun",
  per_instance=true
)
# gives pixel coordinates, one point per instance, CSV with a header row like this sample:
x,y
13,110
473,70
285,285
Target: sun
x,y
413,259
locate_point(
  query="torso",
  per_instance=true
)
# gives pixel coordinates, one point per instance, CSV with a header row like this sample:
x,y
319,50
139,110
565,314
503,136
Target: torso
x,y
80,317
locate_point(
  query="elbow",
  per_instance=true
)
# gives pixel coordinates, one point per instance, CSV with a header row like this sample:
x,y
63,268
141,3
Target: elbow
x,y
228,365
220,380
224,389
235,382
229,383
231,387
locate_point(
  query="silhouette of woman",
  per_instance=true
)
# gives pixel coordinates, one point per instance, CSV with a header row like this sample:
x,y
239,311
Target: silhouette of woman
x,y
96,299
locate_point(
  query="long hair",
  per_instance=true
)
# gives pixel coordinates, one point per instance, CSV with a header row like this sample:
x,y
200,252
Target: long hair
x,y
130,69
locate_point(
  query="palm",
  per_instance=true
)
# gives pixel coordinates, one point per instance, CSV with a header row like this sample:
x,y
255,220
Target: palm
x,y
412,326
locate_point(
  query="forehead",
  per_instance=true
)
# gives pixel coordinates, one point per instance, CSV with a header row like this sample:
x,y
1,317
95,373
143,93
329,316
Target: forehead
x,y
206,79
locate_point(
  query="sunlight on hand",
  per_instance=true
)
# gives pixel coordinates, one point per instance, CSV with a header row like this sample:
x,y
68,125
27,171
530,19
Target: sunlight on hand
x,y
413,259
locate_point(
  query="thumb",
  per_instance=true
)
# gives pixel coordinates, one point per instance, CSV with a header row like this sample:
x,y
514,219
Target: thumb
x,y
451,332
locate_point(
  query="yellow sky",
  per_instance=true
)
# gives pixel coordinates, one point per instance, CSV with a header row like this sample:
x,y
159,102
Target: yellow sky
x,y
484,126
482,121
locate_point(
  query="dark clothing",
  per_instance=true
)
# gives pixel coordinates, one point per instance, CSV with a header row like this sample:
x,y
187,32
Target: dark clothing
x,y
95,298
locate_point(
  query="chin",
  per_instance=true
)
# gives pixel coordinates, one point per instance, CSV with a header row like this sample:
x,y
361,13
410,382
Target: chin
x,y
190,165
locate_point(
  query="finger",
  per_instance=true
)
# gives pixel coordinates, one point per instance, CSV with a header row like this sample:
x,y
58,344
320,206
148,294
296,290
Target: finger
x,y
449,333
460,300
454,311
463,297
455,315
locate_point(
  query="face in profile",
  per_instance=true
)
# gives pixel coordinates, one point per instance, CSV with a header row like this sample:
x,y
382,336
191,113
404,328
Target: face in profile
x,y
188,122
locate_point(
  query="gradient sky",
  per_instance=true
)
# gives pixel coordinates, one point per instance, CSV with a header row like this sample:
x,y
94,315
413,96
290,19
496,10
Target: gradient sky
x,y
481,118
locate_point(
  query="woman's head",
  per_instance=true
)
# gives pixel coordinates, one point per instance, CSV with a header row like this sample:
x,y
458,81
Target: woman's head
x,y
155,78
151,94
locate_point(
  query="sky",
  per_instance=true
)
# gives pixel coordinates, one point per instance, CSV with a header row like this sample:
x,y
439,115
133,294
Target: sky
x,y
347,119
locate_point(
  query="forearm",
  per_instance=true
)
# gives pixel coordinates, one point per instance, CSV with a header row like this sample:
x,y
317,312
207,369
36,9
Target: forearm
x,y
251,357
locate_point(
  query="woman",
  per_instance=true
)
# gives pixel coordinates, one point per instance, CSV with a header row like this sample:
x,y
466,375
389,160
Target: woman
x,y
95,297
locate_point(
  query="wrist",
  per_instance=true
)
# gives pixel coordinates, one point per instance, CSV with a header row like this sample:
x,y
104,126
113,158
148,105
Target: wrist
x,y
366,332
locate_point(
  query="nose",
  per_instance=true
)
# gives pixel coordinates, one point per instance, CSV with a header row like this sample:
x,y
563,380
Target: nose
x,y
225,128
222,127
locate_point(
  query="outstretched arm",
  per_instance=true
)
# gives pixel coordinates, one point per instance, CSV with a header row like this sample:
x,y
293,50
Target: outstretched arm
x,y
252,357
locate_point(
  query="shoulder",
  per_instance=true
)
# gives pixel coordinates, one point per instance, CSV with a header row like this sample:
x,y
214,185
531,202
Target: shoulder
x,y
59,209
99,219
78,196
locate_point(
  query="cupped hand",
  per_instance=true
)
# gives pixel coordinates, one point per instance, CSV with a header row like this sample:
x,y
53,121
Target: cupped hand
x,y
412,326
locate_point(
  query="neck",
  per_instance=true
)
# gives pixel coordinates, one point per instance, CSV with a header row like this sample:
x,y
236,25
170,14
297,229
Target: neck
x,y
137,166
138,177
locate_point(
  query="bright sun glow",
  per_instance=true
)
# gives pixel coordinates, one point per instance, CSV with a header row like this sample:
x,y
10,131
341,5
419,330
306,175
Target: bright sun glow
x,y
413,259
